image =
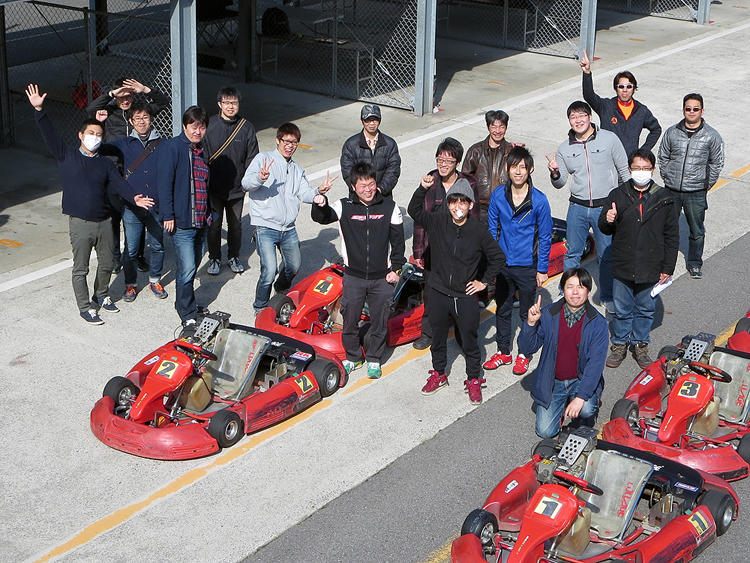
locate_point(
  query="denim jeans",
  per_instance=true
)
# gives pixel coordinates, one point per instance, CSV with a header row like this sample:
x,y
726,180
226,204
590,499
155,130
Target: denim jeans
x,y
266,242
580,219
634,312
188,250
549,421
695,205
134,221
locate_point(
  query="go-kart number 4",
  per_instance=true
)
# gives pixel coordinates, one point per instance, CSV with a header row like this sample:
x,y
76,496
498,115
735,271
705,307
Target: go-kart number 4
x,y
304,383
689,389
323,287
166,369
548,507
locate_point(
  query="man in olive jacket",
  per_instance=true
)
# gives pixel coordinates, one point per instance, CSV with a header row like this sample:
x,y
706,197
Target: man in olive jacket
x,y
640,217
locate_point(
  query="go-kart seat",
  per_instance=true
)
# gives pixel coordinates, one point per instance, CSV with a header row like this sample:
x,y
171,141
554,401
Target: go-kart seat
x,y
622,479
706,422
238,355
734,404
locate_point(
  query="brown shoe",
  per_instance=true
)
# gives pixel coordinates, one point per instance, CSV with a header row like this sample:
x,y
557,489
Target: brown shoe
x,y
616,355
640,355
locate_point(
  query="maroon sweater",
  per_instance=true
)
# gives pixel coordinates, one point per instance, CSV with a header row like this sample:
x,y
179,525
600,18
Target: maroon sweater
x,y
567,349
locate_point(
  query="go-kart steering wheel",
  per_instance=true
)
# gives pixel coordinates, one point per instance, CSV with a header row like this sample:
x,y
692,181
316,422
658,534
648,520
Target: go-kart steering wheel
x,y
190,347
711,372
580,483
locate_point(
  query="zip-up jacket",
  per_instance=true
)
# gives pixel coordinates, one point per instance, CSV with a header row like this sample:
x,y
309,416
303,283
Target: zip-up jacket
x,y
85,179
490,174
691,164
645,234
612,118
274,202
367,232
175,183
228,169
117,124
456,249
593,166
385,159
524,234
592,352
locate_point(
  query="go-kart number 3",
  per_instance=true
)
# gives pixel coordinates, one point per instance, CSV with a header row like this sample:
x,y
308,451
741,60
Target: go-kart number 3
x,y
323,287
548,507
304,383
689,389
166,369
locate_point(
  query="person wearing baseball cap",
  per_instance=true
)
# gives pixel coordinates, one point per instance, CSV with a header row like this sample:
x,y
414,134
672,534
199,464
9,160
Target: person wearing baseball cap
x,y
374,147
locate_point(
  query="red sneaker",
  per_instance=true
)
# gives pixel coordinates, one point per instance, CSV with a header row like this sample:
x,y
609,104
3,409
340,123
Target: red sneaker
x,y
522,365
474,387
498,360
434,382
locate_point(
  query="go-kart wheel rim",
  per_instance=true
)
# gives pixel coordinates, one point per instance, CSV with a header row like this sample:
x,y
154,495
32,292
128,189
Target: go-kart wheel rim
x,y
726,517
332,380
488,532
231,430
285,313
633,419
125,396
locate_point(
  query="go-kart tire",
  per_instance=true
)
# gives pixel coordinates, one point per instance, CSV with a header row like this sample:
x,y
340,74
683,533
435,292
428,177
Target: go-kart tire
x,y
284,307
121,390
226,427
327,375
743,448
743,325
722,508
670,353
627,409
482,524
545,448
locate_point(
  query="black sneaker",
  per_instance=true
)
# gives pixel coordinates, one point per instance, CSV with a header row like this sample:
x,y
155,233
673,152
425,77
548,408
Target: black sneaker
x,y
142,264
189,327
92,317
695,273
116,268
423,343
106,304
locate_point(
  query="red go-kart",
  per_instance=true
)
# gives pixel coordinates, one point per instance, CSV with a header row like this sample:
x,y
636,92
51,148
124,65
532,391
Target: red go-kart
x,y
201,393
691,405
310,310
583,500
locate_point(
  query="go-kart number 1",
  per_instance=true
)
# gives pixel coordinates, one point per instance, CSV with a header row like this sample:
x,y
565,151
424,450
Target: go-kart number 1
x,y
304,383
548,507
699,522
323,287
689,389
166,369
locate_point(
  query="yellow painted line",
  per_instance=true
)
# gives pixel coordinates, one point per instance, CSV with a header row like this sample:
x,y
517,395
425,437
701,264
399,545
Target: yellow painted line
x,y
305,146
120,516
740,7
442,554
635,39
11,243
718,184
494,82
740,171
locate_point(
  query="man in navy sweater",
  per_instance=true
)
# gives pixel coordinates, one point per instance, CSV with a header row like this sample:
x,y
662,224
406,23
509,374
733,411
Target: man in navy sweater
x,y
85,179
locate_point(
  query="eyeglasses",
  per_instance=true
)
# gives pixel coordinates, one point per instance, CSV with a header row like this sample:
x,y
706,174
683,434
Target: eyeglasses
x,y
636,169
625,86
445,161
692,110
574,116
141,119
292,143
228,103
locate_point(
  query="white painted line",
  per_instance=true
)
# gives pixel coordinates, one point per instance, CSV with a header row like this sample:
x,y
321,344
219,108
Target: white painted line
x,y
33,276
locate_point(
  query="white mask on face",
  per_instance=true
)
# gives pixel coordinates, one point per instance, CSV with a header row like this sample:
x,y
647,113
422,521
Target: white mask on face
x,y
641,177
91,142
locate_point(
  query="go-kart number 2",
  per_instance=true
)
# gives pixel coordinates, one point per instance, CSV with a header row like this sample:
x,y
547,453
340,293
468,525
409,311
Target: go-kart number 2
x,y
548,507
304,383
689,389
323,287
699,523
166,369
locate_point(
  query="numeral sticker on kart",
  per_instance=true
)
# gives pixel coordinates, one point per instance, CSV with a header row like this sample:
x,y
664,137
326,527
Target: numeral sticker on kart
x,y
699,523
689,389
304,383
548,507
323,287
166,369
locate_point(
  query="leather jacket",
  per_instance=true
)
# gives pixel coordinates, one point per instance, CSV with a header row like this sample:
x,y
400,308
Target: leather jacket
x,y
490,173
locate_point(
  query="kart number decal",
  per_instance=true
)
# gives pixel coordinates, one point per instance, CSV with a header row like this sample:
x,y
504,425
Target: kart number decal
x,y
548,507
689,389
699,522
304,356
166,369
646,380
304,383
323,287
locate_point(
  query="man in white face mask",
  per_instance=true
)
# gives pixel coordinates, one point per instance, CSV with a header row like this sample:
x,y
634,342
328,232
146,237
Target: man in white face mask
x,y
85,179
640,217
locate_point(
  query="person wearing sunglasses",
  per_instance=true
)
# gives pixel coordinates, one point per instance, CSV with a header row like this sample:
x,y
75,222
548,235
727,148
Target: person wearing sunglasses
x,y
691,156
622,114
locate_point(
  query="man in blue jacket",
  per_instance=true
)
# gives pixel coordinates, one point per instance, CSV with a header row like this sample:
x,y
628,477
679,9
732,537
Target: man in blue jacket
x,y
568,381
184,206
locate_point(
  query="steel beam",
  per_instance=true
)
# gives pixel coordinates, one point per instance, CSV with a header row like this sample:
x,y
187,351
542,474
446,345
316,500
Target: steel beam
x,y
182,26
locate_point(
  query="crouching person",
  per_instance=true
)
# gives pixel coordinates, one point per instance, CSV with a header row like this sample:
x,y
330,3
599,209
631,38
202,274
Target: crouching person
x,y
568,381
458,242
369,225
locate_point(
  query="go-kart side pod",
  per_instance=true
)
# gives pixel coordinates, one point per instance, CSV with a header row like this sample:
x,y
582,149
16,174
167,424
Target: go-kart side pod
x,y
646,389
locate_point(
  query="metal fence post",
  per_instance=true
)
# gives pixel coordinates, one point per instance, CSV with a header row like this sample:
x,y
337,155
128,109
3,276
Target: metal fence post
x,y
6,110
588,28
101,28
704,12
89,53
425,67
182,26
246,40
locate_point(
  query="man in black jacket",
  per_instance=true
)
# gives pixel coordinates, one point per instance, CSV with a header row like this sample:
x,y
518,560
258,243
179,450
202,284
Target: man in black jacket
x,y
370,224
640,217
373,146
458,242
231,145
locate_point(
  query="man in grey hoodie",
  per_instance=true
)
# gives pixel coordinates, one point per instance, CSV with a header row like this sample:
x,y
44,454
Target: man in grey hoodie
x,y
593,159
276,186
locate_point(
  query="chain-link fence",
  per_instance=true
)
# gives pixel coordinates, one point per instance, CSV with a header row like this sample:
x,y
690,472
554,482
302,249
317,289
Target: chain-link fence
x,y
357,49
75,54
552,27
675,9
